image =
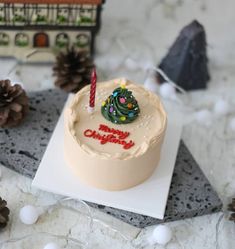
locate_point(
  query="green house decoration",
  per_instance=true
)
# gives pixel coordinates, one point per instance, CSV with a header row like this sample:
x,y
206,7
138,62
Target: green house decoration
x,y
48,26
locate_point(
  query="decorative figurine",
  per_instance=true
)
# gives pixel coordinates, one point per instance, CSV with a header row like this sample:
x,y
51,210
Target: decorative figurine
x,y
48,25
186,61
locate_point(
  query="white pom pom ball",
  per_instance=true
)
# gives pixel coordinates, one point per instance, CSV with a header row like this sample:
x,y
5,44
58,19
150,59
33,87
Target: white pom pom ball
x,y
29,215
221,107
151,85
51,245
204,117
161,235
167,91
232,124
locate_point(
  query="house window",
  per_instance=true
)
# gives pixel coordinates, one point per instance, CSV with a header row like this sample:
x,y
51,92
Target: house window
x,y
2,16
62,15
21,40
41,40
4,39
82,40
86,16
62,40
42,15
19,15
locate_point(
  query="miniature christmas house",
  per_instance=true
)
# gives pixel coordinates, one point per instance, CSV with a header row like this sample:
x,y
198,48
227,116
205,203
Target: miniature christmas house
x,y
48,25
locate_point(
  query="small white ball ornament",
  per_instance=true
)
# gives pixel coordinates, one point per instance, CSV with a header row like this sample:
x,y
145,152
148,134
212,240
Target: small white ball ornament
x,y
51,245
29,214
151,85
167,91
161,235
204,117
221,107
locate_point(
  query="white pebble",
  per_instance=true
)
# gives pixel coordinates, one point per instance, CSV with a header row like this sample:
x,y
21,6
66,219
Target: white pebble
x,y
29,214
51,245
167,91
232,124
221,107
151,85
161,235
204,117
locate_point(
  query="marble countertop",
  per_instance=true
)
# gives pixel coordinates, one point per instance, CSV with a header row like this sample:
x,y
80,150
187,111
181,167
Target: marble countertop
x,y
144,31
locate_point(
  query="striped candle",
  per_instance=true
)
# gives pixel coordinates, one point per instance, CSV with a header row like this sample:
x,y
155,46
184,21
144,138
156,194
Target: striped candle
x,y
92,90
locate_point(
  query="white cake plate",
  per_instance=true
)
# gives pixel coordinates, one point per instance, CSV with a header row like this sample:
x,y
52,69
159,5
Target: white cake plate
x,y
148,198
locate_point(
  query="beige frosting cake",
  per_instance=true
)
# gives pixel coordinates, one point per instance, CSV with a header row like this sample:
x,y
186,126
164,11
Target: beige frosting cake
x,y
113,156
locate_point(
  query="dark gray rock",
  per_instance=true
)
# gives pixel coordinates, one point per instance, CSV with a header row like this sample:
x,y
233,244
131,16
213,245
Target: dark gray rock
x,y
190,195
186,61
22,148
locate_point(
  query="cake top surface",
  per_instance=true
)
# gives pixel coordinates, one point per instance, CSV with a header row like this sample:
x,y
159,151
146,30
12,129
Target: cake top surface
x,y
98,136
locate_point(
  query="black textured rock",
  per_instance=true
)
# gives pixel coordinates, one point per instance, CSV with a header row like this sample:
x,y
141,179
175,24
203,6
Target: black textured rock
x,y
190,195
186,61
22,148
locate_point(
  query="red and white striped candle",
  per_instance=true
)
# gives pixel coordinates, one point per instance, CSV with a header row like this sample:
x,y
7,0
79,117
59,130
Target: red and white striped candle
x,y
92,91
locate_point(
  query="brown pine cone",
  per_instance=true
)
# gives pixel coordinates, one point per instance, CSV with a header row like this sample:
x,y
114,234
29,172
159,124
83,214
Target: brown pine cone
x,y
231,208
4,213
14,104
72,70
232,217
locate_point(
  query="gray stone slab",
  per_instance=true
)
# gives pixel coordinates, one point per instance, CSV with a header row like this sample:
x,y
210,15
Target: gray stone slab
x,y
22,148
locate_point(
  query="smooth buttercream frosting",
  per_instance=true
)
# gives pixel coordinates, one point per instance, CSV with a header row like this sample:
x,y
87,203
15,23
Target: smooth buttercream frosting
x,y
145,131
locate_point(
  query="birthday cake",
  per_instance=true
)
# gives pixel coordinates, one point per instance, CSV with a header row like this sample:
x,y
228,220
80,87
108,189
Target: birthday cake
x,y
118,144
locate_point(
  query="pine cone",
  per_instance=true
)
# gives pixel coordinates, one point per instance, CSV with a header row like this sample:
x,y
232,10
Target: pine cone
x,y
73,70
4,213
14,104
232,217
231,208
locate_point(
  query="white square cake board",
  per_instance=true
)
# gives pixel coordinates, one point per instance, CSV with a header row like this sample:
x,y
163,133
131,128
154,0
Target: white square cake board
x,y
148,198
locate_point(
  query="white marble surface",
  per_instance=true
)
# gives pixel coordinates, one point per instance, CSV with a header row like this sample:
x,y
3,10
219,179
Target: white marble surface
x,y
143,31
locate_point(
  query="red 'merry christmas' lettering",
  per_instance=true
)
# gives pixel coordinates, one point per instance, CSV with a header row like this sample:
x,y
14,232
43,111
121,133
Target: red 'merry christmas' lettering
x,y
121,134
115,136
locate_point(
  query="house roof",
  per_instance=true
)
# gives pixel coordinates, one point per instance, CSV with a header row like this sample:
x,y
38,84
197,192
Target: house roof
x,y
95,2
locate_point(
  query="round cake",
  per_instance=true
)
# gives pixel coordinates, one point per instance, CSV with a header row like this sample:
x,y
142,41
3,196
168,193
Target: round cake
x,y
118,145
